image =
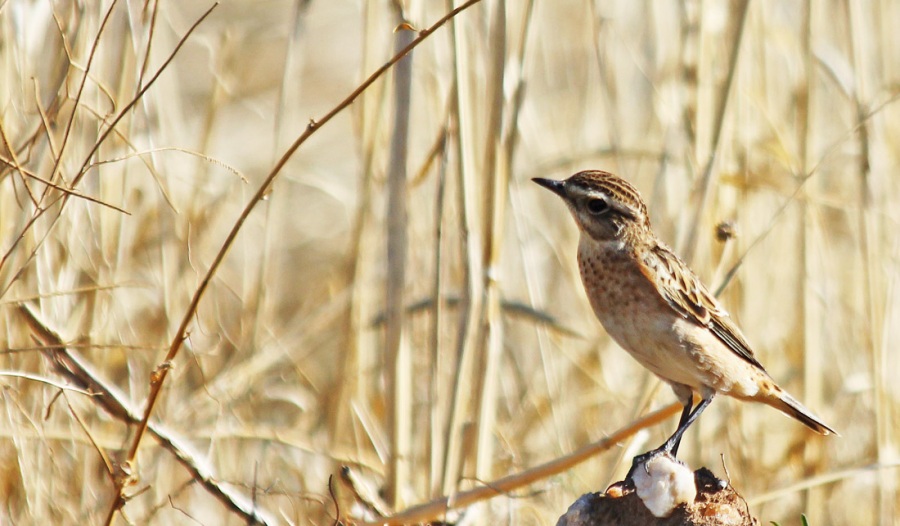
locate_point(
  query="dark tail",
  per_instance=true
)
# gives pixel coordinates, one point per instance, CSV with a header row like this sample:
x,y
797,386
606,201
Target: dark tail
x,y
789,405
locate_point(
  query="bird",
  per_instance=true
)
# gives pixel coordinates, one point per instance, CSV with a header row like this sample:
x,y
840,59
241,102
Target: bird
x,y
656,308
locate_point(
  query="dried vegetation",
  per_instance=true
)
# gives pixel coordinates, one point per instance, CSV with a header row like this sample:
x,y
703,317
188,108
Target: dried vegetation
x,y
401,300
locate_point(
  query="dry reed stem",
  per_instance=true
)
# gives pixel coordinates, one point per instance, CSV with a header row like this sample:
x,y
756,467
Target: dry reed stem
x,y
819,481
495,174
396,355
701,201
872,258
469,324
812,314
436,415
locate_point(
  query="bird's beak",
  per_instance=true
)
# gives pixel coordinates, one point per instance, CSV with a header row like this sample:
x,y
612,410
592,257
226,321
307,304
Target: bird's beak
x,y
557,187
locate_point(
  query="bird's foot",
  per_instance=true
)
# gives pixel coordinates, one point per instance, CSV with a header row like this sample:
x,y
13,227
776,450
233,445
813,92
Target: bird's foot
x,y
643,460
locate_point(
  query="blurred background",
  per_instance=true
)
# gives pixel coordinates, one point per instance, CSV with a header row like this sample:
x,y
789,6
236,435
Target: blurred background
x,y
404,301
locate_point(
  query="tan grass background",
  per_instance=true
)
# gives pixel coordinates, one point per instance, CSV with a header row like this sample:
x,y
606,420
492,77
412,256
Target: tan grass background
x,y
469,351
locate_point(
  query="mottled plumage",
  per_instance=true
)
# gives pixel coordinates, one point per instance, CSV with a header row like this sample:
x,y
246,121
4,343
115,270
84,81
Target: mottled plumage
x,y
657,309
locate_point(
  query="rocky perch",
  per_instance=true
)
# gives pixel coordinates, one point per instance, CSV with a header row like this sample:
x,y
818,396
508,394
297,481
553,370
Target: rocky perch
x,y
663,492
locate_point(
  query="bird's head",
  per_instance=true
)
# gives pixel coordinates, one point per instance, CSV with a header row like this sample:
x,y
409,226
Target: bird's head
x,y
605,207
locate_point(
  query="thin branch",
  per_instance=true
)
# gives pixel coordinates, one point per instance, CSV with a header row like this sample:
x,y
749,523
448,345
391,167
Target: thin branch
x,y
41,379
13,163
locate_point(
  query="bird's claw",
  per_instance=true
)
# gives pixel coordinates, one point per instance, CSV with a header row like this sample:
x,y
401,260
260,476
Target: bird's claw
x,y
643,460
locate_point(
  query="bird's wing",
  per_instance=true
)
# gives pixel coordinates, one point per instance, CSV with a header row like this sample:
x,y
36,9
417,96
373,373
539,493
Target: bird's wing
x,y
685,293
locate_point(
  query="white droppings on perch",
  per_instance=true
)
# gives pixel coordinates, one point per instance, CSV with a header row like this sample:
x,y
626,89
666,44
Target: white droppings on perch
x,y
663,483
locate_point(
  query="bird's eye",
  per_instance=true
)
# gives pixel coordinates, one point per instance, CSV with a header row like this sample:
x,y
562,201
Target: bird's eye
x,y
597,206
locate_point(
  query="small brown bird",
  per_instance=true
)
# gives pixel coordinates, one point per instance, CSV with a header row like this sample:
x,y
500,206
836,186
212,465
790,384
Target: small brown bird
x,y
653,305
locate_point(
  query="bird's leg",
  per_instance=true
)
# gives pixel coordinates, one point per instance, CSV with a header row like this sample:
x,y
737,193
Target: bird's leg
x,y
671,445
685,414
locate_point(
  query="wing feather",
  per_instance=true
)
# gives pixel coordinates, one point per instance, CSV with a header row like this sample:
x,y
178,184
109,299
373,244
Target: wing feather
x,y
687,295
